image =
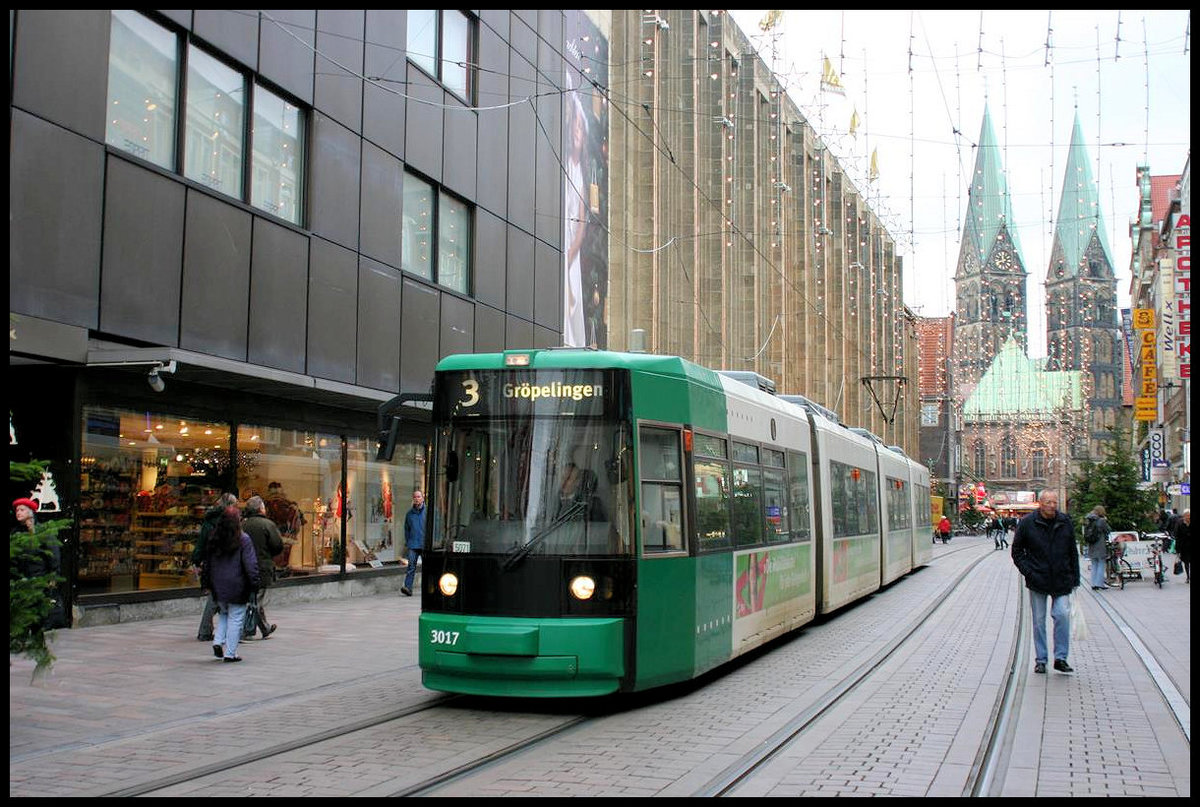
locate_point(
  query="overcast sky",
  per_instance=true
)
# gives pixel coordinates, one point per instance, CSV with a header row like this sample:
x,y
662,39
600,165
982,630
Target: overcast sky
x,y
1127,74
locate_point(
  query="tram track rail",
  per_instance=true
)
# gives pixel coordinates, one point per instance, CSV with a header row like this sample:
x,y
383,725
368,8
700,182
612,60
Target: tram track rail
x,y
743,769
276,749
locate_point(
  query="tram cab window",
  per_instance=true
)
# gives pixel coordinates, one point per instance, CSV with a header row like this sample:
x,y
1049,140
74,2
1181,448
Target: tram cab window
x,y
661,466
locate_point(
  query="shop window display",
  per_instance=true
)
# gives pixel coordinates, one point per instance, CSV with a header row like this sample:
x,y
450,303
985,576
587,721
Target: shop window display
x,y
146,480
298,474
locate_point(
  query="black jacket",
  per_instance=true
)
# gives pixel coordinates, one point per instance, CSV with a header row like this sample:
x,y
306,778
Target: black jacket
x,y
268,543
1046,554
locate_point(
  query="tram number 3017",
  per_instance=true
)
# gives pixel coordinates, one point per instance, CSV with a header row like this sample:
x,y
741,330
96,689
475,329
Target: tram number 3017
x,y
443,637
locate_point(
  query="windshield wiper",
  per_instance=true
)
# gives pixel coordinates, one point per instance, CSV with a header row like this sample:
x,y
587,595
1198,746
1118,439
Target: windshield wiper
x,y
518,554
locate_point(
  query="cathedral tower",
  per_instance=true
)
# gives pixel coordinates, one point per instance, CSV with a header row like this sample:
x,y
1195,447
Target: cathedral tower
x,y
990,276
1082,331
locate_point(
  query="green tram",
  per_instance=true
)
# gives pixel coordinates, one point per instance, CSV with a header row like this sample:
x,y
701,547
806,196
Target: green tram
x,y
607,522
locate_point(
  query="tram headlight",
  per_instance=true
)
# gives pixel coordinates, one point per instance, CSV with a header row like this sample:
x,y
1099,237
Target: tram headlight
x,y
582,587
448,583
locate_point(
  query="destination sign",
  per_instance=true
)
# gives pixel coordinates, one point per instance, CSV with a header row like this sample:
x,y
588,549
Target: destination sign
x,y
511,393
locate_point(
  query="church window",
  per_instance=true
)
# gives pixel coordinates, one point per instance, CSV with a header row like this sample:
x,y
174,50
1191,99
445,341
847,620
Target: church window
x,y
1008,457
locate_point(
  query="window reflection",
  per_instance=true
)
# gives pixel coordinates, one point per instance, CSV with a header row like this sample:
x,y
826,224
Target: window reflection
x,y
142,74
416,246
215,114
278,139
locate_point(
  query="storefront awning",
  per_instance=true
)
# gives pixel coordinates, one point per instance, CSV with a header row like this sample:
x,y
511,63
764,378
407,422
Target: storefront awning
x,y
202,368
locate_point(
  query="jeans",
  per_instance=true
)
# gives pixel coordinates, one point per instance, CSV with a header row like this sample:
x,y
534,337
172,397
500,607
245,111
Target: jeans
x,y
206,620
1060,612
1097,572
230,616
413,554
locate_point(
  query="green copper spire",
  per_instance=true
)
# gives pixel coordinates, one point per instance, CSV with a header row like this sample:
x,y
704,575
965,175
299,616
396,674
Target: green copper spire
x,y
990,208
1078,210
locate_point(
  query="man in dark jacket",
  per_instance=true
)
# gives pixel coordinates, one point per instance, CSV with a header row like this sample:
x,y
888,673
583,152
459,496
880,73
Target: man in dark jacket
x,y
1045,552
414,539
267,544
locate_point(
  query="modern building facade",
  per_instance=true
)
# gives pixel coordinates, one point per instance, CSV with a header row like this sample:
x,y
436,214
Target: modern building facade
x,y
288,217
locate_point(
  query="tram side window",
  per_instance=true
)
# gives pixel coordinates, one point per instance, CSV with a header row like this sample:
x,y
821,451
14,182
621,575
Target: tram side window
x,y
662,490
798,506
711,471
899,506
747,508
854,500
774,506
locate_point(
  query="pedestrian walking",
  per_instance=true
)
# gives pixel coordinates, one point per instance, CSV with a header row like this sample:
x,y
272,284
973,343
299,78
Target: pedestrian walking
x,y
200,554
1008,525
1183,542
1095,537
414,538
268,543
944,529
1045,552
231,571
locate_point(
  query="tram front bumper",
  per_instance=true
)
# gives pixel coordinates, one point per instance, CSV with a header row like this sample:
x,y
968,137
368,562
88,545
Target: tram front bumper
x,y
521,657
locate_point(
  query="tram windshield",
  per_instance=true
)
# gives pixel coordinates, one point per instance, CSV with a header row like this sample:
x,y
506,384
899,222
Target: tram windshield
x,y
532,464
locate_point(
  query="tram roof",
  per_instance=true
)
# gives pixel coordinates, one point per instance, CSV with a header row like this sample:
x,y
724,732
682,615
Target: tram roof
x,y
562,358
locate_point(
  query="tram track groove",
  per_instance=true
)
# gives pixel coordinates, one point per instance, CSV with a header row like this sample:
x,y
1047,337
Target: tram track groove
x,y
743,769
429,786
277,749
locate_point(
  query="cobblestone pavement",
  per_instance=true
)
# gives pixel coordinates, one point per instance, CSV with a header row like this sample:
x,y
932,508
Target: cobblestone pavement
x,y
132,702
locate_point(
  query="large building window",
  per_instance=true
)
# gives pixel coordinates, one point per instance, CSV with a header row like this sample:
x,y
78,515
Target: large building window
x,y
442,43
221,123
278,136
142,80
454,243
424,210
216,98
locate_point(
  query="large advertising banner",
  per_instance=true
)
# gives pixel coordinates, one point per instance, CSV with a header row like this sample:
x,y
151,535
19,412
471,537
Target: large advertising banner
x,y
585,191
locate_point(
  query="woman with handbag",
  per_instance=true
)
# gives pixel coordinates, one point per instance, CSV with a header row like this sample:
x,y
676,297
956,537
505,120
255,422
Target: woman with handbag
x,y
233,575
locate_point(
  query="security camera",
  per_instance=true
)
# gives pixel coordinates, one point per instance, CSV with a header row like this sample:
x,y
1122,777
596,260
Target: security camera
x,y
155,381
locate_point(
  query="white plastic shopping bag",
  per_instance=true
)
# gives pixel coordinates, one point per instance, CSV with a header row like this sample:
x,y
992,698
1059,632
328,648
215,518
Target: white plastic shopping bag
x,y
1079,630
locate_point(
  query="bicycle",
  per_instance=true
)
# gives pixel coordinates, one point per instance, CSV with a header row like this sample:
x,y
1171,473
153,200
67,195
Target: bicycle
x,y
1116,568
1156,560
